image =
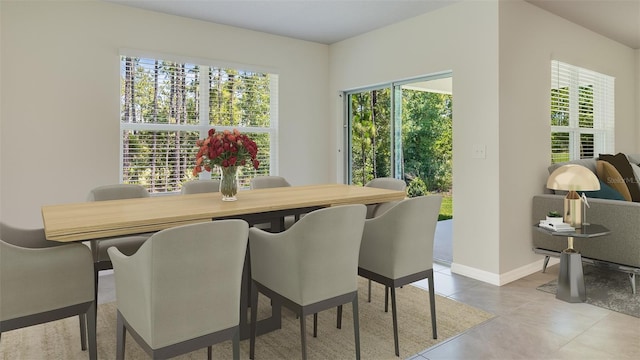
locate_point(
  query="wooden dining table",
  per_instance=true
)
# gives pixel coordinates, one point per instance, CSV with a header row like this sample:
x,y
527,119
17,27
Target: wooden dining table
x,y
103,219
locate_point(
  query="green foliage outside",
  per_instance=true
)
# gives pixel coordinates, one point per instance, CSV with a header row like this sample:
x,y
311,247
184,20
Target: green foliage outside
x,y
446,209
424,141
560,117
424,138
427,138
163,100
371,143
416,188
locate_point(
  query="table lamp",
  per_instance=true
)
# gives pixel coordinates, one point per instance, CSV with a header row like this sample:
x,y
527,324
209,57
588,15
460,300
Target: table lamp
x,y
573,178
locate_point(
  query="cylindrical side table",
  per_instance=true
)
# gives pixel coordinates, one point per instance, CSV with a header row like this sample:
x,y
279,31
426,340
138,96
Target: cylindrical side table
x,y
571,278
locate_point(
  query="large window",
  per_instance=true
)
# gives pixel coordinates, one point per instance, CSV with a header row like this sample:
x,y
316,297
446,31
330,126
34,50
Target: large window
x,y
166,104
582,113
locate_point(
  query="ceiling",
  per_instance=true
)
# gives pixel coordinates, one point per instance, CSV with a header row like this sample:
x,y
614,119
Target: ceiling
x,y
330,21
618,20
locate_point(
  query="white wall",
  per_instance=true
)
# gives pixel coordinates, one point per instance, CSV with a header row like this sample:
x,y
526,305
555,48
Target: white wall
x,y
462,38
1,111
500,54
60,95
529,39
637,100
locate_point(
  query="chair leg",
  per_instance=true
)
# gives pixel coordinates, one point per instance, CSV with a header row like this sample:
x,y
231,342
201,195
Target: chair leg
x,y
356,325
91,317
369,295
209,353
386,299
120,337
254,320
339,320
315,325
394,315
236,345
546,262
632,278
432,302
303,336
83,331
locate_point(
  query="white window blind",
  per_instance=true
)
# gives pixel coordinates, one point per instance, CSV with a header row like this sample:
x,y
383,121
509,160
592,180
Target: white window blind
x,y
582,113
167,105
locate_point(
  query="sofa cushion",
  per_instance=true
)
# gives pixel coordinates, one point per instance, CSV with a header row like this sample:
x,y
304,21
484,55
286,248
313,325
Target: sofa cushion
x,y
621,163
610,176
605,192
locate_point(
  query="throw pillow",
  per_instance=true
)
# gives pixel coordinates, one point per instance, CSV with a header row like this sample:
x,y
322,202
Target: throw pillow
x,y
621,163
605,192
609,175
636,170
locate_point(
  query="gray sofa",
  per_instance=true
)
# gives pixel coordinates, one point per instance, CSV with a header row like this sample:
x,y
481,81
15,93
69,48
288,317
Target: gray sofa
x,y
619,250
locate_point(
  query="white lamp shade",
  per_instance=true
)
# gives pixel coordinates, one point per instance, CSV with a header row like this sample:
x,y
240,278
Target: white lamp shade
x,y
573,177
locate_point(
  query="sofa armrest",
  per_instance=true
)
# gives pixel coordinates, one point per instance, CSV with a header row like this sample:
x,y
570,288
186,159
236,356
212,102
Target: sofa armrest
x,y
622,246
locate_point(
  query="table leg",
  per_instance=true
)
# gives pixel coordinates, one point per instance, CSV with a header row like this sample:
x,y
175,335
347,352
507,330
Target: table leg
x,y
571,279
264,326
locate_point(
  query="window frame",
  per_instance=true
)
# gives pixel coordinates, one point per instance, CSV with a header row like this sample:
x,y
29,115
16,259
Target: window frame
x,y
564,75
203,125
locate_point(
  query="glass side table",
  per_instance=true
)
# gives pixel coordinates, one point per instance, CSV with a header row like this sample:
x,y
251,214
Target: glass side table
x,y
571,278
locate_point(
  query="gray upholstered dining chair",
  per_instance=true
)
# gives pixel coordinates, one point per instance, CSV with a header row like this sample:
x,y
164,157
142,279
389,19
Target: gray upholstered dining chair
x,y
388,183
374,210
397,249
200,186
181,291
126,244
310,267
267,182
42,281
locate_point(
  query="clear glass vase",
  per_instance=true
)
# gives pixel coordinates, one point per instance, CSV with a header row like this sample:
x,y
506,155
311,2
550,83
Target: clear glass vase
x,y
229,182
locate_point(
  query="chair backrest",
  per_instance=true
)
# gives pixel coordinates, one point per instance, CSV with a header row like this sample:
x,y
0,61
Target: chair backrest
x,y
27,238
200,186
183,282
117,192
319,257
388,183
39,278
400,241
264,182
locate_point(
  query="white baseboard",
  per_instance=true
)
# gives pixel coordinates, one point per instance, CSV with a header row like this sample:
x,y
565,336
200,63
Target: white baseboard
x,y
501,279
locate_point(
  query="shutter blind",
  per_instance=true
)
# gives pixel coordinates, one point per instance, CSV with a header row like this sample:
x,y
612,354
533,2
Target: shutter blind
x,y
166,106
582,113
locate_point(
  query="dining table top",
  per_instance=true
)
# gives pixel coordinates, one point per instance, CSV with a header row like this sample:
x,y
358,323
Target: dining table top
x,y
100,219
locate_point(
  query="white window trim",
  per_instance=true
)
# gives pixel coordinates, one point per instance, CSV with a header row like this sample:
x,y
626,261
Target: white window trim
x,y
603,108
204,126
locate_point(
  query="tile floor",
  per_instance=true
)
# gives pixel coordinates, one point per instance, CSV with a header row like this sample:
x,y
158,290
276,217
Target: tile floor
x,y
529,324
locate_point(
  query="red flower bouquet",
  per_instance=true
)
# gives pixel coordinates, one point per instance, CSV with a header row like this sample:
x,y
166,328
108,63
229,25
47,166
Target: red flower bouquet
x,y
225,149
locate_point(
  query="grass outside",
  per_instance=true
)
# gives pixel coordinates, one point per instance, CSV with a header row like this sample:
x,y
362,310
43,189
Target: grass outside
x,y
446,209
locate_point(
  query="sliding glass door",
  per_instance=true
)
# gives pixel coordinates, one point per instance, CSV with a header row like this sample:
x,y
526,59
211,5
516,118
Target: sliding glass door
x,y
403,130
370,117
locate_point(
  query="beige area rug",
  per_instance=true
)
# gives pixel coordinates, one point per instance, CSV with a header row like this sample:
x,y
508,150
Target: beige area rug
x,y
60,339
